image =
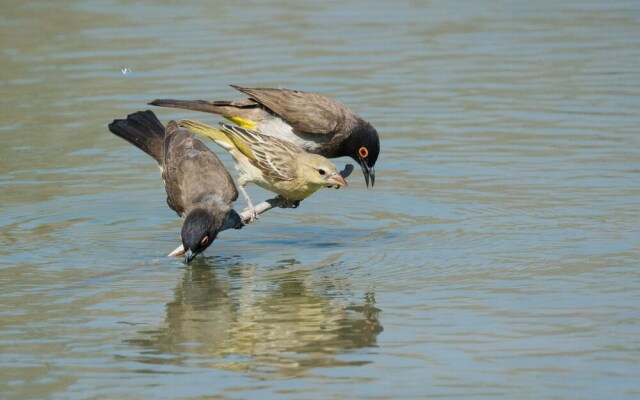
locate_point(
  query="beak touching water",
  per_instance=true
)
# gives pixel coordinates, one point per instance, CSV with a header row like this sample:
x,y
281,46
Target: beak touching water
x,y
368,172
188,256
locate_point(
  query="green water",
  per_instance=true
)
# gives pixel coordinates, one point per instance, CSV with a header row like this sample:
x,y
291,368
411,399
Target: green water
x,y
496,257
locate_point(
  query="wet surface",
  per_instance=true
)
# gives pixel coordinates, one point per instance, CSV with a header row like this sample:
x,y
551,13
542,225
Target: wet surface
x,y
497,255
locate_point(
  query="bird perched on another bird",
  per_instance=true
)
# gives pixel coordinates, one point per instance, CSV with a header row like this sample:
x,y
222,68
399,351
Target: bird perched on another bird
x,y
271,163
315,123
198,186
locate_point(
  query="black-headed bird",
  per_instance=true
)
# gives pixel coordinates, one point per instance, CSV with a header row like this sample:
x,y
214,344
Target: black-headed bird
x,y
271,163
198,186
316,123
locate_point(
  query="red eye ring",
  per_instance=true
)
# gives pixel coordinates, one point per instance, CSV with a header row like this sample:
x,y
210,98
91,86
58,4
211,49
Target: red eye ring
x,y
363,152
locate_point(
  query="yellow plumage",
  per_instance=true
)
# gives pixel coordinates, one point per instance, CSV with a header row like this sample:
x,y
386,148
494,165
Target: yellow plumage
x,y
245,123
221,138
271,163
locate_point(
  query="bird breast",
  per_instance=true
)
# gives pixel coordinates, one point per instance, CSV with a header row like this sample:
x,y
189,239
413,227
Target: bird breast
x,y
295,189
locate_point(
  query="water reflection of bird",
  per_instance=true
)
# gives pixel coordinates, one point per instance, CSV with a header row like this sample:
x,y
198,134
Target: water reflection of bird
x,y
316,123
240,317
198,186
271,163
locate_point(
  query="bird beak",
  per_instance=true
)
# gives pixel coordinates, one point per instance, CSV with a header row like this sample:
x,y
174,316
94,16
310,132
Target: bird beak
x,y
368,172
336,179
188,256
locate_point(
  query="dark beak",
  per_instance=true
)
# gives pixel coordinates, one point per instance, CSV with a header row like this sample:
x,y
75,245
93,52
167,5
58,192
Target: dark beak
x,y
367,172
188,256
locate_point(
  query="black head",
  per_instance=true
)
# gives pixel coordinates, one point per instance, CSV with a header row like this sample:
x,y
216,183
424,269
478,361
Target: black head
x,y
199,230
364,146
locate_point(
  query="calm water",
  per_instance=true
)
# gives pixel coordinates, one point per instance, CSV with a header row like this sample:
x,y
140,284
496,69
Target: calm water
x,y
498,255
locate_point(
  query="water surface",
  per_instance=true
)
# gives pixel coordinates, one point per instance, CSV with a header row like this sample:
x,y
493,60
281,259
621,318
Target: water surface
x,y
496,257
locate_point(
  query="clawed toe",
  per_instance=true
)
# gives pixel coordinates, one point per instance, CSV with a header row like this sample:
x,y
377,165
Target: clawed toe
x,y
286,203
253,216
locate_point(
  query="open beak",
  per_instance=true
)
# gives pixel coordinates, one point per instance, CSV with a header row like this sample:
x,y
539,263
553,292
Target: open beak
x,y
336,179
367,172
188,256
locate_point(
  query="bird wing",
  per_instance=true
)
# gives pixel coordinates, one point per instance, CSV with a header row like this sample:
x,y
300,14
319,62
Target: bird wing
x,y
170,170
305,112
276,158
193,173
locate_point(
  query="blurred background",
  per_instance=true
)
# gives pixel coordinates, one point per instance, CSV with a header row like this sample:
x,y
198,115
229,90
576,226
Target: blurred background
x,y
497,256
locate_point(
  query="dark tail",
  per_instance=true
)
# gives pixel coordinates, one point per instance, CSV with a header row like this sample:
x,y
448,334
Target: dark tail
x,y
143,130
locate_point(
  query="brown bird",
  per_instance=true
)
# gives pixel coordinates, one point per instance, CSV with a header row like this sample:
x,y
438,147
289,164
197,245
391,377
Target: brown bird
x,y
315,123
198,186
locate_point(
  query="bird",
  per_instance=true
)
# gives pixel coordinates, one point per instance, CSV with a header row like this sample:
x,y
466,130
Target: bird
x,y
316,123
271,163
198,186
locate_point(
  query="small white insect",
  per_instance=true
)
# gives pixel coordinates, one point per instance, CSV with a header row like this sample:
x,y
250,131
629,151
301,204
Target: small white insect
x,y
126,71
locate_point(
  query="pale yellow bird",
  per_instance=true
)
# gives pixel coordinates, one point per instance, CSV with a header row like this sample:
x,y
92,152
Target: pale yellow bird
x,y
271,163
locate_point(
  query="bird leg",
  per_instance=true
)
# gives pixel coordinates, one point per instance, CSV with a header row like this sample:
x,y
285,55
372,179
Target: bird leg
x,y
252,209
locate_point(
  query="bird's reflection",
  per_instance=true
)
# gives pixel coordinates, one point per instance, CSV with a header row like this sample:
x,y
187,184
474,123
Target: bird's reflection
x,y
282,319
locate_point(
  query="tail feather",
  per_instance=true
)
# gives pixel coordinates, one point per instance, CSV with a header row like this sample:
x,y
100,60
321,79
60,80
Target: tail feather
x,y
195,105
243,112
143,130
214,134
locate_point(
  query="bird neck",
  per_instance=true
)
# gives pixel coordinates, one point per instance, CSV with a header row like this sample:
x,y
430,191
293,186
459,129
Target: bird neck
x,y
202,209
212,202
301,188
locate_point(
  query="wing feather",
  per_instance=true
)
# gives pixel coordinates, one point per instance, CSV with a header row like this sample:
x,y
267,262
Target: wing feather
x,y
193,173
276,158
305,112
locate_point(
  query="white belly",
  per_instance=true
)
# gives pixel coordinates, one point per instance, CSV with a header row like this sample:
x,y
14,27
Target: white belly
x,y
280,129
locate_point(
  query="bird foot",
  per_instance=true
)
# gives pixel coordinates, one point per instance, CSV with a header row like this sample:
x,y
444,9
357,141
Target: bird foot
x,y
253,214
288,203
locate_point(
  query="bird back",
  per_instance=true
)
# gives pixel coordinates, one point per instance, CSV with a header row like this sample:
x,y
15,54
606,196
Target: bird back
x,y
276,158
193,173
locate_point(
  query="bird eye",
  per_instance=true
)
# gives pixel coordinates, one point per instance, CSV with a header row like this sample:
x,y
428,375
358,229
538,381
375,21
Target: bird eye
x,y
321,171
204,241
363,152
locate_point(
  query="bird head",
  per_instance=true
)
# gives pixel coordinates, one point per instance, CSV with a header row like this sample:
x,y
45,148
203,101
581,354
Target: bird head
x,y
199,230
319,171
363,145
